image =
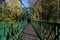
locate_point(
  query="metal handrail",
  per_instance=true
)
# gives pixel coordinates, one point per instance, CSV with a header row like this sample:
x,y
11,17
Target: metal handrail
x,y
53,28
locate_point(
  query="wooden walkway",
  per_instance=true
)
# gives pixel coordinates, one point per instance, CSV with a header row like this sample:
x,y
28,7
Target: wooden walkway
x,y
29,33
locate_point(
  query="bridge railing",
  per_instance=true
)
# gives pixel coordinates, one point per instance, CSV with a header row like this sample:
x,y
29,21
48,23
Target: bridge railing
x,y
10,31
47,30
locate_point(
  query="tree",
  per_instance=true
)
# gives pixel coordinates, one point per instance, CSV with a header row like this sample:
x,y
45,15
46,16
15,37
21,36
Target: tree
x,y
13,10
49,7
36,4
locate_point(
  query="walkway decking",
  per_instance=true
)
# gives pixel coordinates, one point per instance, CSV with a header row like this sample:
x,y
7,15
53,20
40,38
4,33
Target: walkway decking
x,y
29,33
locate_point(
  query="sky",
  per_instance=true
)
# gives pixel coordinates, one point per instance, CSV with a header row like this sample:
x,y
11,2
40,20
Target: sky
x,y
7,0
25,2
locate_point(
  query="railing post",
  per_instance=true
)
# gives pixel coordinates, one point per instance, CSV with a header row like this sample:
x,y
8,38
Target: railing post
x,y
58,32
2,10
